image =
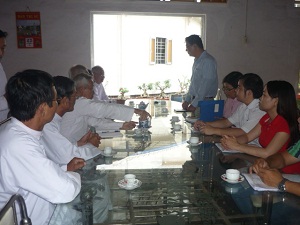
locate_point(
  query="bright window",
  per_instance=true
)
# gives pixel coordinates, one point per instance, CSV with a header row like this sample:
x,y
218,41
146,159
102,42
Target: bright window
x,y
137,49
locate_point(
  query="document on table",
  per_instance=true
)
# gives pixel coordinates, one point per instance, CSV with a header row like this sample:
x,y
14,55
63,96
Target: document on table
x,y
226,150
257,184
109,133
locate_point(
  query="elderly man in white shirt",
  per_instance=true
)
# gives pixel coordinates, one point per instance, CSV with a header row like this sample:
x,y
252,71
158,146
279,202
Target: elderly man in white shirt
x,y
3,79
88,111
249,90
99,92
24,167
58,147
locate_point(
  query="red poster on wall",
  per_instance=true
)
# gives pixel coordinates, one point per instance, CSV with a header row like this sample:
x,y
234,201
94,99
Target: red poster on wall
x,y
29,29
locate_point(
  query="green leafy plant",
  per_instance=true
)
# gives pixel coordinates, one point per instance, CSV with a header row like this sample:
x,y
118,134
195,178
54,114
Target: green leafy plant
x,y
184,85
162,87
122,92
145,87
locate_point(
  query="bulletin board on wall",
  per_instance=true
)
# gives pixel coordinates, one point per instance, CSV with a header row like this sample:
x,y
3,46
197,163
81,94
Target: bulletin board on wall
x,y
29,33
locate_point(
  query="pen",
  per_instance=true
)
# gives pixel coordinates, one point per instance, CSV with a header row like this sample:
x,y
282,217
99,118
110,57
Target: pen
x,y
112,131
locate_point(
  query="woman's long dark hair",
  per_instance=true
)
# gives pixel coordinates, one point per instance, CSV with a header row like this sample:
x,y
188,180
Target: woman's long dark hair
x,y
287,105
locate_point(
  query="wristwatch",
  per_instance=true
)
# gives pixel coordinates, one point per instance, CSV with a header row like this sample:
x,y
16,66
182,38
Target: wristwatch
x,y
281,185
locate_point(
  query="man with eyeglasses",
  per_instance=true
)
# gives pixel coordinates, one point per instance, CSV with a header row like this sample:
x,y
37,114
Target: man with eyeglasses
x,y
58,147
25,167
204,80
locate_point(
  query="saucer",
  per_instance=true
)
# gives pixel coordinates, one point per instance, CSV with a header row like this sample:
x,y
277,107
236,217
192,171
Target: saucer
x,y
173,121
241,179
194,144
113,152
122,184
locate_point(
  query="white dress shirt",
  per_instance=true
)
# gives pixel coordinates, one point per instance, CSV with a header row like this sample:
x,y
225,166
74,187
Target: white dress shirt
x,y
99,92
247,116
59,149
75,124
3,102
26,170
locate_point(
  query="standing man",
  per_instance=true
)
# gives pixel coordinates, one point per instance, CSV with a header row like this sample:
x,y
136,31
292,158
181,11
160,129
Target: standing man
x,y
99,92
3,79
204,80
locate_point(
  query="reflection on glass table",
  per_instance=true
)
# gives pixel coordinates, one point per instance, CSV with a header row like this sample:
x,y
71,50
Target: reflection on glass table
x,y
178,181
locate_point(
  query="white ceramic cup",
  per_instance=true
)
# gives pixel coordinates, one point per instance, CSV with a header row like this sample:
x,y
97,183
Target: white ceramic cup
x,y
138,132
175,118
177,126
129,179
107,150
194,140
232,174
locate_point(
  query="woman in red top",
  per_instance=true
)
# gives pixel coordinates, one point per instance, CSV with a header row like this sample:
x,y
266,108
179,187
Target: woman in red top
x,y
277,129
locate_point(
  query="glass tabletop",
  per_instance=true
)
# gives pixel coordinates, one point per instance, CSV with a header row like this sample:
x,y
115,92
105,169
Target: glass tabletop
x,y
177,183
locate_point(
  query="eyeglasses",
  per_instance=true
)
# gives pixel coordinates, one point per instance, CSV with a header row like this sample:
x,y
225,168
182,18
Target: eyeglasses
x,y
227,89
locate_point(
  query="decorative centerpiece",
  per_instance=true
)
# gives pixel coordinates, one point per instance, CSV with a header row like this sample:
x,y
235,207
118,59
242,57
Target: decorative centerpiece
x,y
145,87
162,87
184,85
122,93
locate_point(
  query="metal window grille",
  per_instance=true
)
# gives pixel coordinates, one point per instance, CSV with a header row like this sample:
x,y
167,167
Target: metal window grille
x,y
160,53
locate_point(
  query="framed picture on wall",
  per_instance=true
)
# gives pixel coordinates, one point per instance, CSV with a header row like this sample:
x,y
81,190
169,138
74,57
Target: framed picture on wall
x,y
28,30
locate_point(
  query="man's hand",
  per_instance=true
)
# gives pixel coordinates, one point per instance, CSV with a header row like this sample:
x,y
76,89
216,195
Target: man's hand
x,y
142,113
207,129
191,108
270,177
84,139
128,125
185,105
198,124
75,164
94,139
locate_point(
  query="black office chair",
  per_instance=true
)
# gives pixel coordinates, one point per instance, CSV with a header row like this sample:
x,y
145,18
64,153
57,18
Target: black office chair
x,y
8,213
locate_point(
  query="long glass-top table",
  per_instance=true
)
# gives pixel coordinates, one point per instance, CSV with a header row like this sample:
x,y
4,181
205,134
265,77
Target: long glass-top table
x,y
179,184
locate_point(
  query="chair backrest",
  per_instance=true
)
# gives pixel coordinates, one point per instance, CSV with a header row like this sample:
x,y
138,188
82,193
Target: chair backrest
x,y
4,121
8,213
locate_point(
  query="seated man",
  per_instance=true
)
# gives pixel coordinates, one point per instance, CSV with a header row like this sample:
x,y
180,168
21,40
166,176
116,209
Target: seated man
x,y
25,169
58,147
99,92
87,112
249,90
77,69
267,169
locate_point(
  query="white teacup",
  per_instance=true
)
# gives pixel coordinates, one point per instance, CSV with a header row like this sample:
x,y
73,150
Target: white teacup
x,y
177,126
194,140
107,150
232,174
175,118
129,179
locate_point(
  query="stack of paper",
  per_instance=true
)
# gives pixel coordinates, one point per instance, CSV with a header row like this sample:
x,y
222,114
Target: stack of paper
x,y
226,150
257,184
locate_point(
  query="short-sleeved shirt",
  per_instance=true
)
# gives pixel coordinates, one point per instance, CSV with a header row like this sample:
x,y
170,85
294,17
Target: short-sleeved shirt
x,y
269,130
247,116
294,151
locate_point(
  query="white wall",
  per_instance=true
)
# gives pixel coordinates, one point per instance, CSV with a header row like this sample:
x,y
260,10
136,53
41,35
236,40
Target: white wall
x,y
273,29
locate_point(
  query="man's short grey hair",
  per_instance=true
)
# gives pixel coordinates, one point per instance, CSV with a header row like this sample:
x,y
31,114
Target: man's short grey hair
x,y
77,69
82,80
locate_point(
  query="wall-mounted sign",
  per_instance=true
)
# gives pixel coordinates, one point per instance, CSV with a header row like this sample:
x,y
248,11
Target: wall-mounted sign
x,y
29,29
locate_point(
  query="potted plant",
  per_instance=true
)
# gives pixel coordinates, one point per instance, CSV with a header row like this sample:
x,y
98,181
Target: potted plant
x,y
162,87
145,87
184,85
122,92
